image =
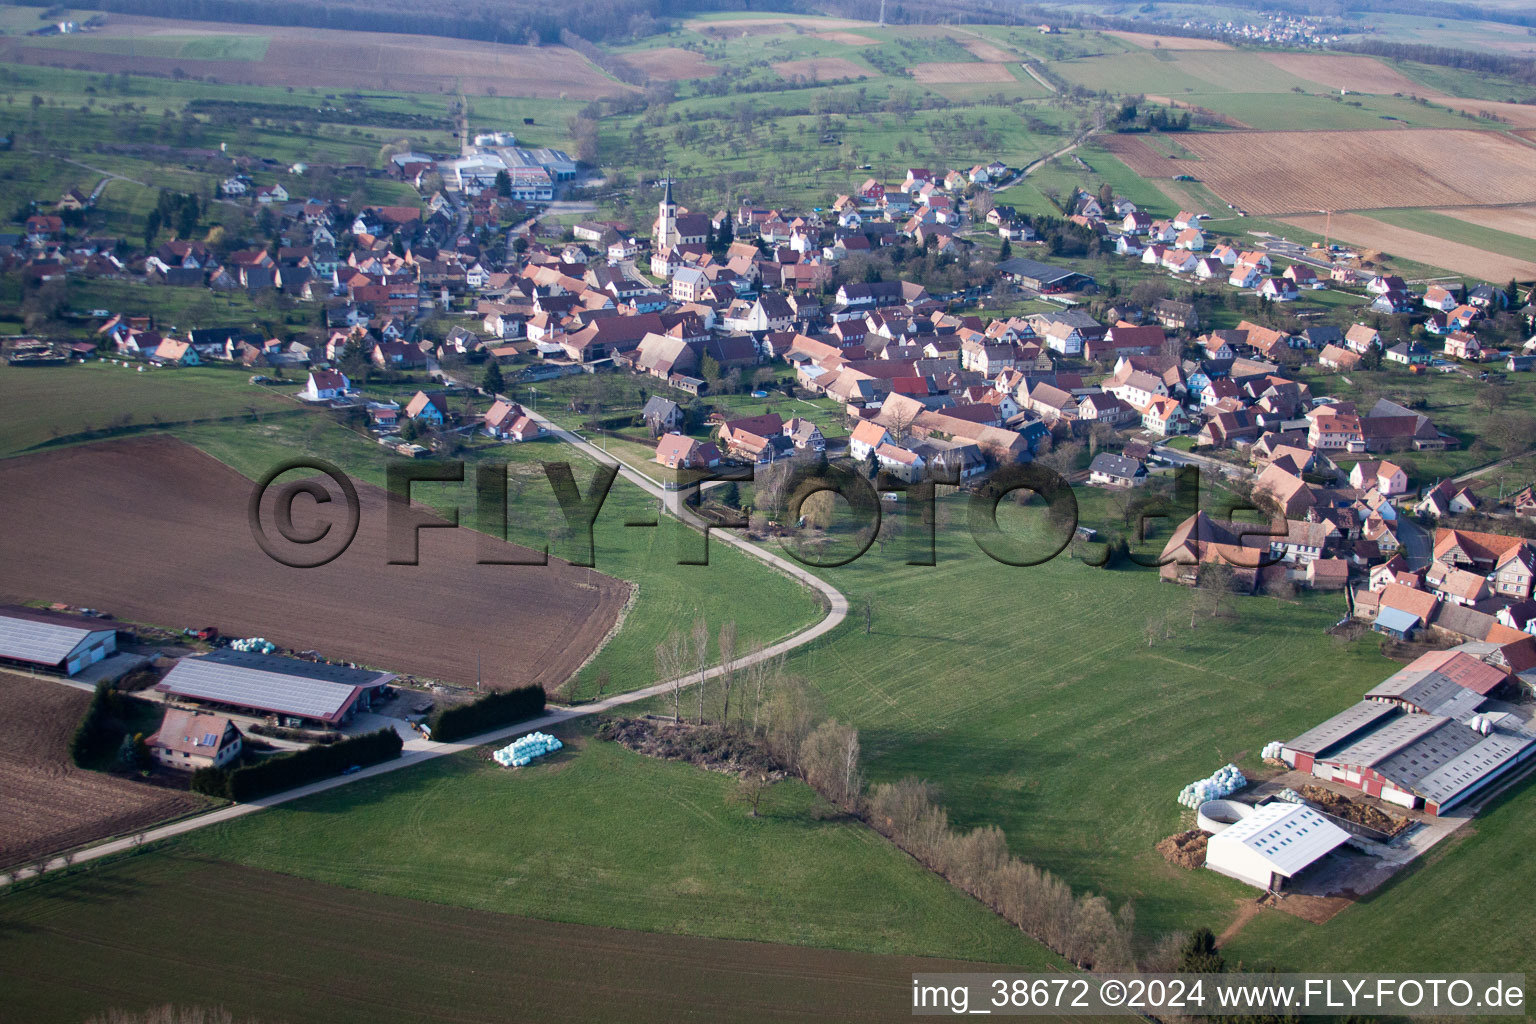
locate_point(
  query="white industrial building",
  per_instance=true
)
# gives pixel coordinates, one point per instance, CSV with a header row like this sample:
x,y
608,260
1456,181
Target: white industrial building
x,y
1273,844
53,641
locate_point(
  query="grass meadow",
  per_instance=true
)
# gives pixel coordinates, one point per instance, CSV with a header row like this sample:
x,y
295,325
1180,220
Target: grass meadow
x,y
733,587
597,834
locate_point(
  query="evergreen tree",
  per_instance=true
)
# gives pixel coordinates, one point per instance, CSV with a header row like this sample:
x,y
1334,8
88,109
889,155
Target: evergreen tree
x,y
492,381
1198,954
1005,252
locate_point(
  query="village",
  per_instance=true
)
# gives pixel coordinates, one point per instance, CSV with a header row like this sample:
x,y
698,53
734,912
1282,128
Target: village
x,y
913,332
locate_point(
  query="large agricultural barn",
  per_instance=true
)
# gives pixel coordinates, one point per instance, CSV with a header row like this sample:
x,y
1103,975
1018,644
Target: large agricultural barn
x,y
1043,277
1429,736
53,641
298,692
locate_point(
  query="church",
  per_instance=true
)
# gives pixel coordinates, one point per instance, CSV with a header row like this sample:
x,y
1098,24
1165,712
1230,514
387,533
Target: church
x,y
674,228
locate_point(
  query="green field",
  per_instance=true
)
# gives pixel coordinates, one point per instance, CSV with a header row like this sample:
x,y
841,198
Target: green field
x,y
203,47
44,403
347,957
599,835
1505,243
733,587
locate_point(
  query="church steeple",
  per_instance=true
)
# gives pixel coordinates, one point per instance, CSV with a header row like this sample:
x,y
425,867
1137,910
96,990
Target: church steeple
x,y
666,218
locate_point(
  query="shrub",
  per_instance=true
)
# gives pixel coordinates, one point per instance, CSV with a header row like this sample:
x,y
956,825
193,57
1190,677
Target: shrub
x,y
286,771
211,781
487,713
94,737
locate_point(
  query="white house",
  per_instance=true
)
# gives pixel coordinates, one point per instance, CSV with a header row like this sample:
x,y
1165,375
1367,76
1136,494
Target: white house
x,y
324,384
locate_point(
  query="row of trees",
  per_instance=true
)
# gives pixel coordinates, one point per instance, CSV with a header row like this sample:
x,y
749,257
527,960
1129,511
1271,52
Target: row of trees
x,y
1083,929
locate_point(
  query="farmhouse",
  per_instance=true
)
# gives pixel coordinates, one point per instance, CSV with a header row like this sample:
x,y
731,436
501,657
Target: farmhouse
x,y
299,693
188,740
53,641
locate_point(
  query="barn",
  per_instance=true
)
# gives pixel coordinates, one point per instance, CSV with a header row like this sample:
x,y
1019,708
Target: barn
x,y
298,693
1273,845
53,641
1042,277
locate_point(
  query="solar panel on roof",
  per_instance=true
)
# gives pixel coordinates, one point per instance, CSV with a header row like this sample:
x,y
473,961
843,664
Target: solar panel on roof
x,y
43,643
215,680
209,739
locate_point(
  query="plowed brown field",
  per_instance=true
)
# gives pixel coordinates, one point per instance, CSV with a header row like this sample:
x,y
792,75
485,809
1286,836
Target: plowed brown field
x,y
1302,172
347,59
960,73
1355,73
821,69
1150,42
671,63
156,531
1369,233
46,803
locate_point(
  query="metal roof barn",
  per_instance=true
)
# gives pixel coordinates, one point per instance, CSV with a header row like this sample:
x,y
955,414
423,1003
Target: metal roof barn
x,y
53,640
283,686
1276,842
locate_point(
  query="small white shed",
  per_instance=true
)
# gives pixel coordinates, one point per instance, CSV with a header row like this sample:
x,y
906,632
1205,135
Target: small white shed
x,y
1273,844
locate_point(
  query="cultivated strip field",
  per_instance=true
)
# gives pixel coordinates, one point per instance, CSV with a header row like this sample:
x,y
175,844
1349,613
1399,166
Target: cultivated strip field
x,y
987,51
1357,74
179,552
1519,220
46,803
671,63
342,59
1360,230
1150,42
846,38
352,957
1302,172
960,73
821,69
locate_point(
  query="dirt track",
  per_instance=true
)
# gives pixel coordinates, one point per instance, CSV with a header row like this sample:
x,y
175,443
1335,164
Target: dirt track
x,y
154,530
46,803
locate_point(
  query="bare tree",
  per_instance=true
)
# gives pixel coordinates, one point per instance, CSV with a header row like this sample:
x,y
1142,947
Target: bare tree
x,y
727,644
829,759
671,657
701,656
788,719
750,789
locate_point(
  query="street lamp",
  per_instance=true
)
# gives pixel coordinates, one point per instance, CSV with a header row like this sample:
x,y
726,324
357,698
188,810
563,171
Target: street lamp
x,y
533,393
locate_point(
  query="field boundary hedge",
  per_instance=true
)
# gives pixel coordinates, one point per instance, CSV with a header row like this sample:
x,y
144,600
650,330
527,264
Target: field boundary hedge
x,y
489,712
287,771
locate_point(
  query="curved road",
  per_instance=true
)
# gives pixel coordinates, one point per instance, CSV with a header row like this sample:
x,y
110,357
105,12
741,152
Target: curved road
x,y
418,750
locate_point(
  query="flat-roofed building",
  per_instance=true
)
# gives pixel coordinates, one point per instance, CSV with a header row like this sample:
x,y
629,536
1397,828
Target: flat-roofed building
x,y
297,692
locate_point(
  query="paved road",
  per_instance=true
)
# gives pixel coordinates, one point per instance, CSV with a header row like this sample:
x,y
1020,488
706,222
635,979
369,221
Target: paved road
x,y
418,750
1174,457
1418,544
